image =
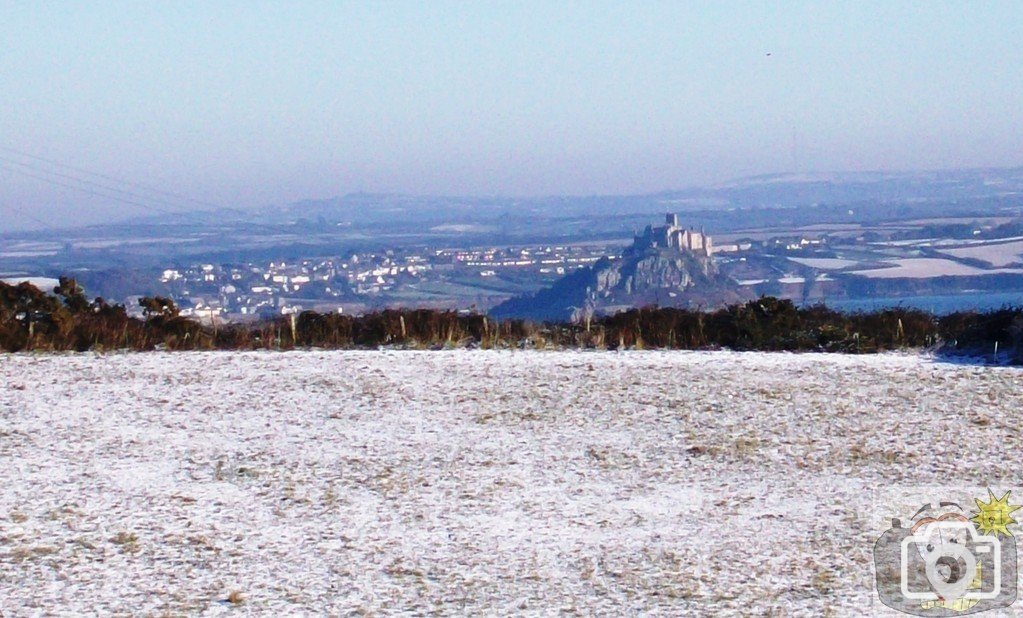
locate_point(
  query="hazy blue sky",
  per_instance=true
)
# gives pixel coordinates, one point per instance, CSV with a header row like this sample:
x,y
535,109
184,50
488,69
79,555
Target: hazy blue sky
x,y
249,103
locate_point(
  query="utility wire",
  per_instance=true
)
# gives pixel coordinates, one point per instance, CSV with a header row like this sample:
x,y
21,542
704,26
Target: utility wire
x,y
21,213
108,178
85,181
75,182
89,191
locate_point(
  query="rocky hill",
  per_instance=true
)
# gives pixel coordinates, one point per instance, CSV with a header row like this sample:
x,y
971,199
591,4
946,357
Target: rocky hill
x,y
643,276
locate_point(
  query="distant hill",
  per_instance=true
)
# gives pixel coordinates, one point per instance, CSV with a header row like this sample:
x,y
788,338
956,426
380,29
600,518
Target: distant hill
x,y
665,266
766,191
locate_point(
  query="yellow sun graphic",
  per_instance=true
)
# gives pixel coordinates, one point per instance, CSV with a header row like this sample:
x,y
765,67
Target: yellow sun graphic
x,y
994,516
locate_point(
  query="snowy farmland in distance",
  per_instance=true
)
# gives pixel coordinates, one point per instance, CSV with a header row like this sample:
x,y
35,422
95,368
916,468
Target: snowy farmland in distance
x,y
996,254
925,268
825,263
474,482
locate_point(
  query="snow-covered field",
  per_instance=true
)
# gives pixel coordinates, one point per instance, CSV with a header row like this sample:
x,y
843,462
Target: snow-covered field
x,y
996,254
825,263
480,483
925,268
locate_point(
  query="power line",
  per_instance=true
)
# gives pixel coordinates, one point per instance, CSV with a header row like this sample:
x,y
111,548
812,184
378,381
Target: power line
x,y
21,212
85,181
89,191
105,190
108,178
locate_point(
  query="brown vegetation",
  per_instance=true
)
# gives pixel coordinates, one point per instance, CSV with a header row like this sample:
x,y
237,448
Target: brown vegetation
x,y
67,320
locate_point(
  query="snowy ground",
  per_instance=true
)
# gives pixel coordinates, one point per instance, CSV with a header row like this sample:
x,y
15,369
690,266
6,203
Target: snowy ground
x,y
996,253
926,268
489,483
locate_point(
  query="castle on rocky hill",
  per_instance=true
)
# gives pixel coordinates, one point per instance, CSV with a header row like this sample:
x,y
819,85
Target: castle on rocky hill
x,y
673,236
666,266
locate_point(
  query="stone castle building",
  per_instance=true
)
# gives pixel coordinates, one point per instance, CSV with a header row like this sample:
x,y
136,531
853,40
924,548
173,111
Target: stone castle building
x,y
673,236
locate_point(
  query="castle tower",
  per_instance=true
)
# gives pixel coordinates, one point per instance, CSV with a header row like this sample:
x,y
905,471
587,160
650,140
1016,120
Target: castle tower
x,y
674,236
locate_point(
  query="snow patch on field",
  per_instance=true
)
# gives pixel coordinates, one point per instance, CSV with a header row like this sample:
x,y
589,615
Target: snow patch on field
x,y
925,268
482,483
825,263
995,254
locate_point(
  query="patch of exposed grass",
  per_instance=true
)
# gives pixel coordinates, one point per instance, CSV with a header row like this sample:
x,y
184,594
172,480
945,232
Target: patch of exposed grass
x,y
26,552
128,541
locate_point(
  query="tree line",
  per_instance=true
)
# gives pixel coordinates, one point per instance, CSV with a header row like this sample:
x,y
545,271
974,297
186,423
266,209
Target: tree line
x,y
66,320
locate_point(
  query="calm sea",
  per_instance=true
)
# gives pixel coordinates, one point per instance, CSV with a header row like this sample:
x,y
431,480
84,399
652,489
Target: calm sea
x,y
937,304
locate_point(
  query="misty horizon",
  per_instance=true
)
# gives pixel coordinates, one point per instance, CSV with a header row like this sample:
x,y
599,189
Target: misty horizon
x,y
243,106
139,207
